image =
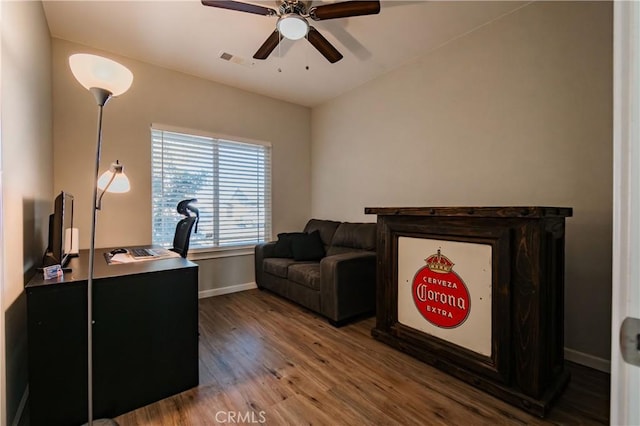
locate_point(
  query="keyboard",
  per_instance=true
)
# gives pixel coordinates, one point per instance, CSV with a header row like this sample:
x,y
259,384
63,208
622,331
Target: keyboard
x,y
142,252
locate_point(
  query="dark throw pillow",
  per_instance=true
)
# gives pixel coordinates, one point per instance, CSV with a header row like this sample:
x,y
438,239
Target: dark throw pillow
x,y
307,246
283,245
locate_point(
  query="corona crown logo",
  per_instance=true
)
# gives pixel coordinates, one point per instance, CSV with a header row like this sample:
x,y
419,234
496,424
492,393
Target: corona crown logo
x,y
439,263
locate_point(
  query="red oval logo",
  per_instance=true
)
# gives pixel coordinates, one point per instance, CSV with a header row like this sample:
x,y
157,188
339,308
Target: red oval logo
x,y
440,294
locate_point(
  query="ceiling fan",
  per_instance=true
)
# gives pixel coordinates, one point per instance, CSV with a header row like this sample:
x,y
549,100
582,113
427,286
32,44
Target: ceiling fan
x,y
293,24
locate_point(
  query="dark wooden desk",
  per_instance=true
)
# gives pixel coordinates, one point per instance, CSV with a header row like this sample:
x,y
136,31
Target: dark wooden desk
x,y
145,338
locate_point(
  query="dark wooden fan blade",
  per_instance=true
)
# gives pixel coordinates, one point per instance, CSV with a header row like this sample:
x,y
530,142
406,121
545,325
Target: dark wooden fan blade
x,y
268,46
241,7
344,10
323,46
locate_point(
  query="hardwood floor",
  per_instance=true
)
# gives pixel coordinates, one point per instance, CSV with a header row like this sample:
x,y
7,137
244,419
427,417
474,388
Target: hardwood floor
x,y
266,360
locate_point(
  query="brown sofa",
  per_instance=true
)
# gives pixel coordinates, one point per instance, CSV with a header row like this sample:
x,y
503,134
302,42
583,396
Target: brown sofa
x,y
330,268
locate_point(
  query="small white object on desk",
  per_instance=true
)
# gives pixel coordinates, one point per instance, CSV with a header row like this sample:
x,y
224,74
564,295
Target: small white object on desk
x,y
53,271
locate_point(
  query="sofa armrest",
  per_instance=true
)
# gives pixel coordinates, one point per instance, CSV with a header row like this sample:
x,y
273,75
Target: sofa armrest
x,y
347,285
261,252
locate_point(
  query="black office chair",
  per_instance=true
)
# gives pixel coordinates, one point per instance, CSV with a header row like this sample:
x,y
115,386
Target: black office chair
x,y
183,228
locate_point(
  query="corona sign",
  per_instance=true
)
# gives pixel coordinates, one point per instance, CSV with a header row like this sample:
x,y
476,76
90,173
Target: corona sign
x,y
440,294
445,300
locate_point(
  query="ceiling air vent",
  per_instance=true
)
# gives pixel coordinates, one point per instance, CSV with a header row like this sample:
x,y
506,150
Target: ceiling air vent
x,y
236,59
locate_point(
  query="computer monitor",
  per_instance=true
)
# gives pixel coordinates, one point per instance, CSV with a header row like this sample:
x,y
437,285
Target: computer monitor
x,y
61,230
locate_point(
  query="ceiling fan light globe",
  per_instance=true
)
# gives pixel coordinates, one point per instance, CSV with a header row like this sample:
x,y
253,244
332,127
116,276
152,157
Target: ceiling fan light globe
x,y
292,26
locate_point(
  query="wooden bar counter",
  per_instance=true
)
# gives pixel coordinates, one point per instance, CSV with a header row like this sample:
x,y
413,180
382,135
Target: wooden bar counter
x,y
479,293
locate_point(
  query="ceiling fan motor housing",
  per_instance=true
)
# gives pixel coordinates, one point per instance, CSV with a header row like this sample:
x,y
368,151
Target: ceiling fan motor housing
x,y
295,6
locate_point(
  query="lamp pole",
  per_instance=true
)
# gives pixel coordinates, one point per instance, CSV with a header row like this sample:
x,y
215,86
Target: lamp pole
x,y
102,96
104,78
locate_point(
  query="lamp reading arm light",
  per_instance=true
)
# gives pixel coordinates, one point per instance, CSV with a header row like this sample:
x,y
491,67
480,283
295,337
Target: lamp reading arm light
x,y
113,180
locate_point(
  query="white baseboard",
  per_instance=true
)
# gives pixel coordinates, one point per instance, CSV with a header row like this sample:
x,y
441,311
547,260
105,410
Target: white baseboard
x,y
23,403
587,360
226,290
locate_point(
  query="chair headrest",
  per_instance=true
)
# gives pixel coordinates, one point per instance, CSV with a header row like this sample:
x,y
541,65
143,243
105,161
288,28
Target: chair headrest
x,y
185,208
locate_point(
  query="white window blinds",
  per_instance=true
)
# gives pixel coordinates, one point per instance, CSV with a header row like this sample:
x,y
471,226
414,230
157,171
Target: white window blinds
x,y
231,181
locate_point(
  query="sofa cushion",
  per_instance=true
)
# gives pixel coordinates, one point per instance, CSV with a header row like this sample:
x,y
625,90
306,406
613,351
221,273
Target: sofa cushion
x,y
283,245
277,266
353,237
326,228
306,274
307,246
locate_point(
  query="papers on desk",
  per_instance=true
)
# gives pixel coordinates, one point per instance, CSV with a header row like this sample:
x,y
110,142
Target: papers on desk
x,y
127,258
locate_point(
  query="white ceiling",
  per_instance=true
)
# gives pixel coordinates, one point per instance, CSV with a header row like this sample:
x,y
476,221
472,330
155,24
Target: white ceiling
x,y
189,37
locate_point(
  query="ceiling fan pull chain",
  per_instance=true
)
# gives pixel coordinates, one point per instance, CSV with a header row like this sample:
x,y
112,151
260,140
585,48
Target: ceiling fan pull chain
x,y
306,53
279,56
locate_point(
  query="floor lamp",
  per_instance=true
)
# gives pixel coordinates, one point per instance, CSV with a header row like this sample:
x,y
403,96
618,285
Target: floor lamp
x,y
104,78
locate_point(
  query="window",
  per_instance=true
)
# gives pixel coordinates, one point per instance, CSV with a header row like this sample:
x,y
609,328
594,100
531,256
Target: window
x,y
231,181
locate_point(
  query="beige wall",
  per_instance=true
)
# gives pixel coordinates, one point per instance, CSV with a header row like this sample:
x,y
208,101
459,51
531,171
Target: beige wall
x,y
27,175
516,113
162,96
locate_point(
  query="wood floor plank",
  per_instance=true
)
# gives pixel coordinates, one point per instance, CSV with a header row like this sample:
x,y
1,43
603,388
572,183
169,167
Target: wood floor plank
x,y
263,358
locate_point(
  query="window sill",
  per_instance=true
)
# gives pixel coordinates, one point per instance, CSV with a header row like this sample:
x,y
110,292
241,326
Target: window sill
x,y
215,253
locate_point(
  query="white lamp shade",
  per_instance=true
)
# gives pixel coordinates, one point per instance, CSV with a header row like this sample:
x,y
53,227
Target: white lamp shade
x,y
292,26
119,185
102,73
